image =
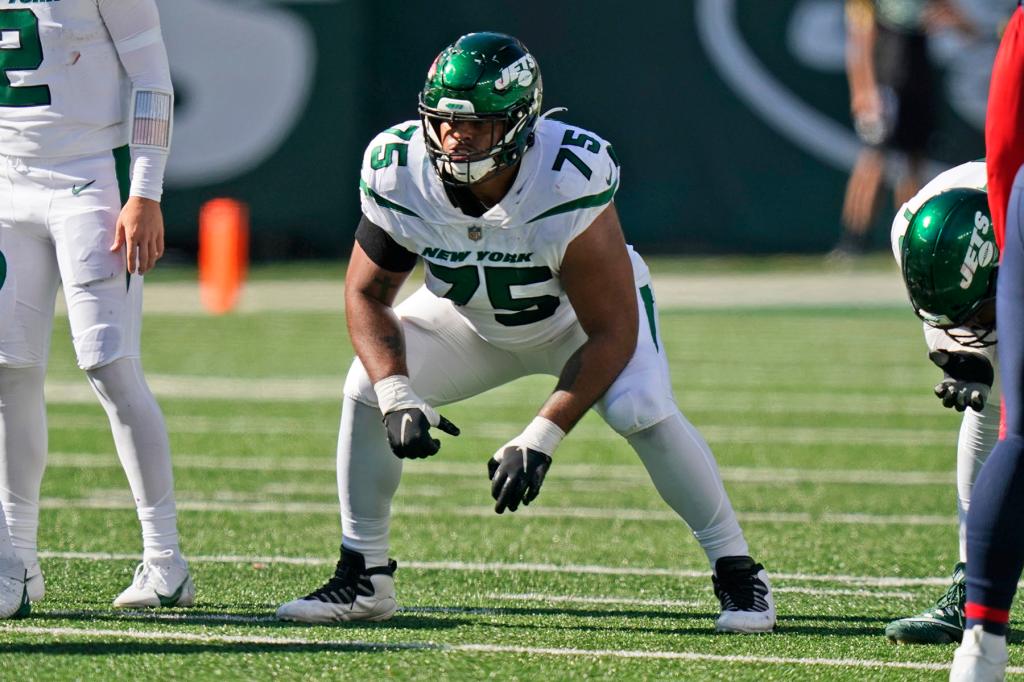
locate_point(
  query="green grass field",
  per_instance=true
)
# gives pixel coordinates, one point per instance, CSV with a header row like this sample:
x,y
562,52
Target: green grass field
x,y
834,451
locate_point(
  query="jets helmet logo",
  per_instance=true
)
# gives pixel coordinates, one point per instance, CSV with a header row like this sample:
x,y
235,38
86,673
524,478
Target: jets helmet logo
x,y
518,72
980,253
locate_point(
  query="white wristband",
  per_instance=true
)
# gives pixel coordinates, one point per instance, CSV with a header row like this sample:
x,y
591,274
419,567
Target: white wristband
x,y
542,435
395,393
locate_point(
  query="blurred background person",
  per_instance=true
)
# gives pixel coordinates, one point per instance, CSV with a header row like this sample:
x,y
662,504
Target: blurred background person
x,y
893,100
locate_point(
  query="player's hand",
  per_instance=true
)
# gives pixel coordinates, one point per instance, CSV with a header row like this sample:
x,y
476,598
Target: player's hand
x,y
409,431
408,418
140,228
516,473
967,381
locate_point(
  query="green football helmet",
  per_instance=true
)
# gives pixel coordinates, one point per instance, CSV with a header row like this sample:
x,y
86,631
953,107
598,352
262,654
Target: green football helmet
x,y
949,261
488,78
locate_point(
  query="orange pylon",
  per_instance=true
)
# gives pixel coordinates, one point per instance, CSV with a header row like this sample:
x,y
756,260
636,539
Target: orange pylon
x,y
223,253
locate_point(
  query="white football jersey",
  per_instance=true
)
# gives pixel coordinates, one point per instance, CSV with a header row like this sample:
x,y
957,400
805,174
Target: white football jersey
x,y
970,175
63,91
501,269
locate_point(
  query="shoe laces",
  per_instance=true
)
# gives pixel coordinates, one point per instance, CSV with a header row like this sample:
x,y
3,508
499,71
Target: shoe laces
x,y
351,580
741,590
157,565
952,602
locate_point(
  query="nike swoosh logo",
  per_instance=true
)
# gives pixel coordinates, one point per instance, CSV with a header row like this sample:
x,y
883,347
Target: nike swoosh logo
x,y
78,189
406,420
609,179
171,600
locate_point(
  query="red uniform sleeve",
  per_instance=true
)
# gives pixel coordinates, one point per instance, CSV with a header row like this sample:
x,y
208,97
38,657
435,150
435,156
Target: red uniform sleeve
x,y
1004,124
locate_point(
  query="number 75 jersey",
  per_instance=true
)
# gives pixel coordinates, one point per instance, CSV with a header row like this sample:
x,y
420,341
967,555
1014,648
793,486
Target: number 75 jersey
x,y
63,91
501,270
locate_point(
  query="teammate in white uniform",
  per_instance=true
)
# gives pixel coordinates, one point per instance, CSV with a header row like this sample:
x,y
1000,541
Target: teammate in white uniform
x,y
527,272
943,240
85,128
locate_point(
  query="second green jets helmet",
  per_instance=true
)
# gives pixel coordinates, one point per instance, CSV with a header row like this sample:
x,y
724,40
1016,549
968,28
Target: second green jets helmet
x,y
488,78
949,260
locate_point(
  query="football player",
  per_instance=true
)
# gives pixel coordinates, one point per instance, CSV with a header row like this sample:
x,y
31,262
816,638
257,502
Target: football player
x,y
995,524
85,130
527,272
945,244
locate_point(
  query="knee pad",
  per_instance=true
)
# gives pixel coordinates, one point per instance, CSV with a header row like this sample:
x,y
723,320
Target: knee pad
x,y
97,346
637,408
105,320
358,386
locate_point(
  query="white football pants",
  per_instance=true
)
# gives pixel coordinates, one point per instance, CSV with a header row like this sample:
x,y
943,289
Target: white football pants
x,y
57,222
448,361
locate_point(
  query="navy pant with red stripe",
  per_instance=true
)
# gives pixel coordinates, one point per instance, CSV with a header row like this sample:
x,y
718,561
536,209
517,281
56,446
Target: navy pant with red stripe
x,y
995,523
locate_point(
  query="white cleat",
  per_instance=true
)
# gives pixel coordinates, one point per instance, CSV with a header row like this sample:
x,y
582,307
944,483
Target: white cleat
x,y
981,657
162,579
13,592
743,589
34,582
354,592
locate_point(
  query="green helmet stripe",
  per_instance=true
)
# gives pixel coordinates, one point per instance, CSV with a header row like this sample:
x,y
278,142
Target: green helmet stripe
x,y
3,269
384,203
583,202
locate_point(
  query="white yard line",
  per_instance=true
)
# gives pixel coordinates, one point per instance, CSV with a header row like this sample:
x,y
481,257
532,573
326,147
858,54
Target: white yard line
x,y
617,473
517,567
704,291
499,431
483,648
609,513
308,388
671,603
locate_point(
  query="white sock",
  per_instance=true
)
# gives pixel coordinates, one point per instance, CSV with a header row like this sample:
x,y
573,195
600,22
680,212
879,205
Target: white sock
x,y
979,432
685,473
6,546
23,442
368,477
140,437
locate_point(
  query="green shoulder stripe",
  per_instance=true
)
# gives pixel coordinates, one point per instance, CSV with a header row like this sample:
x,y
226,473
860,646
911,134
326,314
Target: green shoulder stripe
x,y
381,201
583,202
405,134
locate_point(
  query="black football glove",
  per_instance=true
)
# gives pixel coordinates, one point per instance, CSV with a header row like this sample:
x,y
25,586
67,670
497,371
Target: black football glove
x,y
408,418
967,381
409,431
516,473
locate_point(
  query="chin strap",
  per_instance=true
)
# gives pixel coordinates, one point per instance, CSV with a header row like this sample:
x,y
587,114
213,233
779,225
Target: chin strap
x,y
552,112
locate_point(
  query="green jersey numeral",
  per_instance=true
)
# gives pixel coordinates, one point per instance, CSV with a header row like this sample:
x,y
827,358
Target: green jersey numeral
x,y
465,281
20,29
573,138
383,155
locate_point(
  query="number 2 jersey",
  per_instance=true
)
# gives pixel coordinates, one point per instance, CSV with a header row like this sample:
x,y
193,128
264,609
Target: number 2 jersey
x,y
63,88
501,269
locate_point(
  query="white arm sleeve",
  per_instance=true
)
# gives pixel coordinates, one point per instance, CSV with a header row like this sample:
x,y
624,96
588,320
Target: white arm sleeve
x,y
134,26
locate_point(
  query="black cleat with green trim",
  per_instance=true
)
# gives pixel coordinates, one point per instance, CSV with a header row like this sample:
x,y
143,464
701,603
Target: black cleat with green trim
x,y
943,623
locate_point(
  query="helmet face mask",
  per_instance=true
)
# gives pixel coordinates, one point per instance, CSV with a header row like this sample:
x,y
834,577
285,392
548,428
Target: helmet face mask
x,y
949,261
487,83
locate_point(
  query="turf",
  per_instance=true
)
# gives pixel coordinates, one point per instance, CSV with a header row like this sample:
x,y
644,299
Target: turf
x,y
833,450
